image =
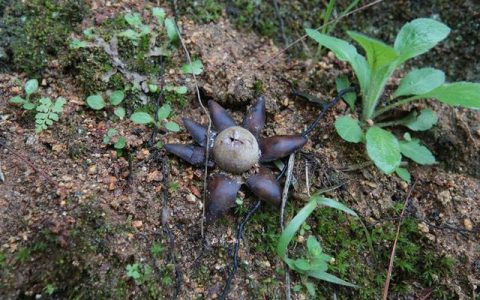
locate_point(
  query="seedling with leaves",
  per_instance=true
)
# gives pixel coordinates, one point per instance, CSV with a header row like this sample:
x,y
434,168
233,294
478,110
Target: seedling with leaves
x,y
315,262
96,102
31,87
47,111
373,74
160,120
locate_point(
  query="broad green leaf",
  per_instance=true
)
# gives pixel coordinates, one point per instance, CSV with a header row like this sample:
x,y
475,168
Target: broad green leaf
x,y
172,126
130,34
419,36
77,44
330,278
334,204
96,102
153,88
120,144
119,112
424,121
342,83
181,90
133,19
313,246
292,227
195,68
141,118
164,112
117,97
345,52
349,129
28,105
404,174
159,13
58,105
466,94
383,149
416,152
171,28
17,99
420,81
31,86
378,53
301,264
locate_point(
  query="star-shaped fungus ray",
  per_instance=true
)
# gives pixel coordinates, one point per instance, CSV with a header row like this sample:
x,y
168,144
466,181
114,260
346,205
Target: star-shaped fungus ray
x,y
236,150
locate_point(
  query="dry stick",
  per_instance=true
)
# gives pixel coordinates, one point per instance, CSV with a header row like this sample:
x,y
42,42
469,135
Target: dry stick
x,y
207,149
286,187
31,165
280,20
318,28
166,229
392,255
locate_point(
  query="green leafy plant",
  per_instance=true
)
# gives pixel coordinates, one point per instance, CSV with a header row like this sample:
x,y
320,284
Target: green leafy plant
x,y
162,114
31,87
112,135
47,111
315,263
373,74
139,273
96,102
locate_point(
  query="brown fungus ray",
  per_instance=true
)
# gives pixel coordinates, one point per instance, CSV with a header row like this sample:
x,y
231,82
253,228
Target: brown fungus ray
x,y
192,154
265,187
197,131
221,194
254,120
220,117
279,146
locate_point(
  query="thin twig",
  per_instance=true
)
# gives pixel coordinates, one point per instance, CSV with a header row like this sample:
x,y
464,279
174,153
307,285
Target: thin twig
x,y
207,148
158,102
280,21
166,230
394,248
286,187
239,235
318,28
326,107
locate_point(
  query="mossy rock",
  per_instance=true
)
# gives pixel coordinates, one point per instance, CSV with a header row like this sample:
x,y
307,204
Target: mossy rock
x,y
35,32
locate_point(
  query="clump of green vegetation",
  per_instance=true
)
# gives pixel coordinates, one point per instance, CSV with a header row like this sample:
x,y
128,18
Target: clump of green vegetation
x,y
47,111
36,31
373,74
315,262
363,259
202,11
129,52
159,120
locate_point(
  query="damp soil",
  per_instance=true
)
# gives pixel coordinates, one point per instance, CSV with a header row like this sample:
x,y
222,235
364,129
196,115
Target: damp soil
x,y
76,215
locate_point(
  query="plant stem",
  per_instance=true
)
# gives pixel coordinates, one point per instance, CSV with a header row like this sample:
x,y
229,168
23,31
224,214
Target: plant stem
x,y
393,105
390,123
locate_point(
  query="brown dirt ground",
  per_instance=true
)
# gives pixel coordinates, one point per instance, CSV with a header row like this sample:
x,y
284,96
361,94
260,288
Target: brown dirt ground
x,y
91,188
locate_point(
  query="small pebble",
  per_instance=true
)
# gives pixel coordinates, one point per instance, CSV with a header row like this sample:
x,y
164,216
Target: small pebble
x,y
468,224
423,227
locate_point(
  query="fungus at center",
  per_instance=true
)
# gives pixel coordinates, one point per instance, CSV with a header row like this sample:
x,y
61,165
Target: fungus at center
x,y
236,150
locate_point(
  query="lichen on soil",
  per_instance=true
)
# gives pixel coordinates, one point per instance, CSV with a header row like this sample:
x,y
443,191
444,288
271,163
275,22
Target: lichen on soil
x,y
97,231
